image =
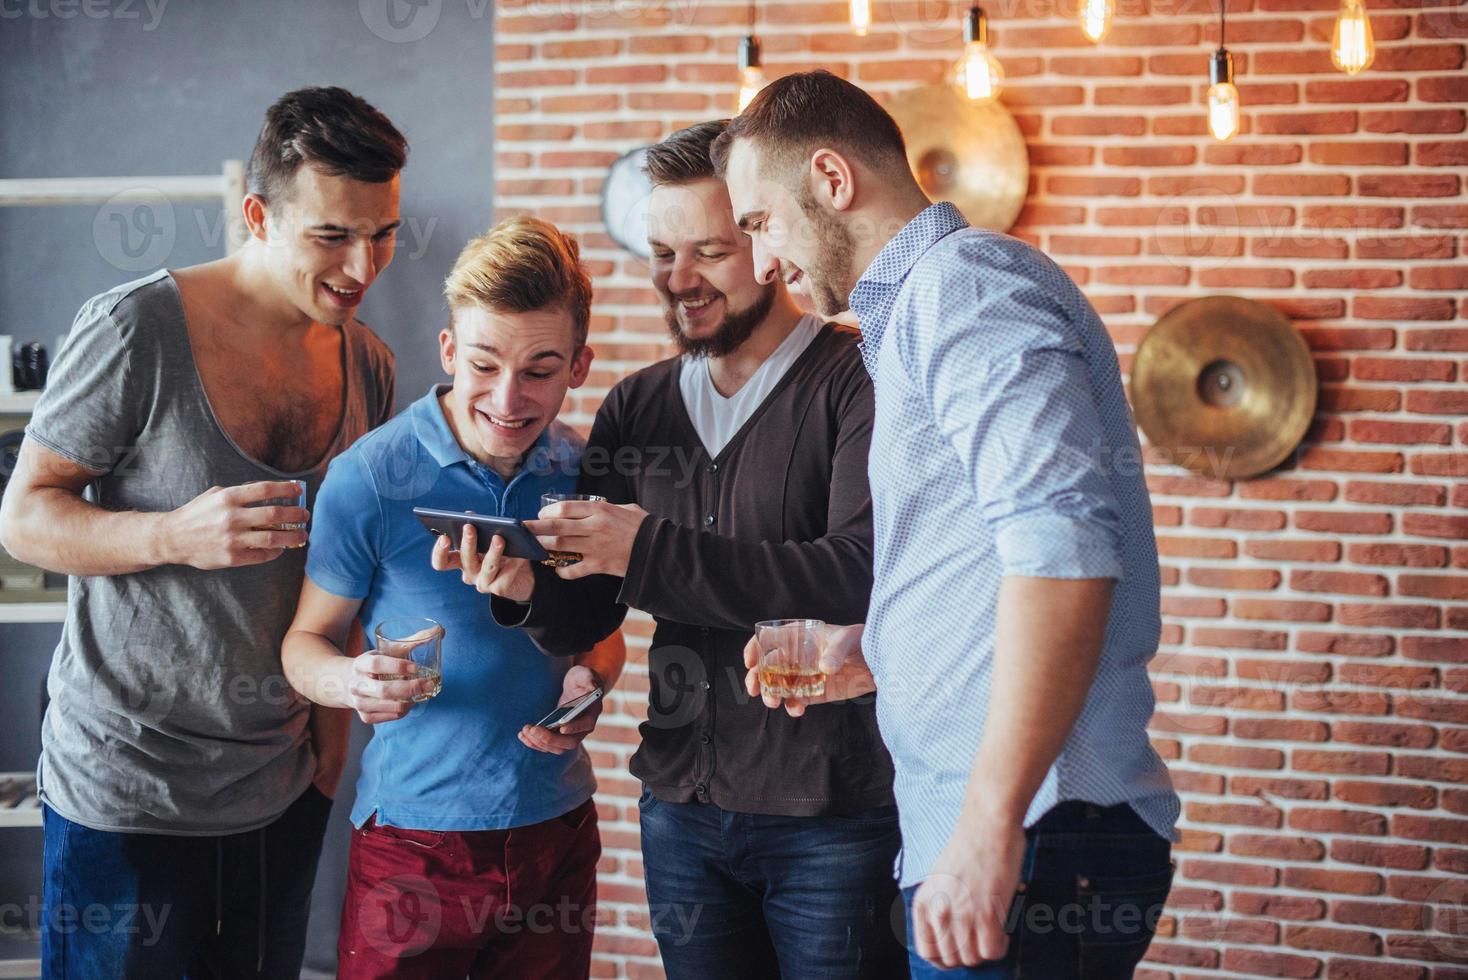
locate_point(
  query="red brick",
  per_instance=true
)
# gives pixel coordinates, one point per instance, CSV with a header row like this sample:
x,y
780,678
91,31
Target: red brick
x,y
1333,940
1236,756
1438,340
1353,278
1350,583
1403,369
1380,915
1345,644
1442,153
1355,822
1382,675
1399,616
1413,121
1353,763
1229,873
1362,154
1433,586
1340,701
1176,547
1346,461
1432,709
1266,787
1258,963
1338,882
1239,639
1386,794
1283,729
1357,90
1435,526
1346,522
1439,768
1438,402
1218,929
1408,185
1447,649
1398,494
1283,610
1292,907
1302,185
1276,847
1399,857
1403,308
1317,551
1437,829
1243,520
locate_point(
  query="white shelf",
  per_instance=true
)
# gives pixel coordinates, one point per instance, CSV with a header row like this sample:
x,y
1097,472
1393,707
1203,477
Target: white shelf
x,y
96,190
18,402
32,612
27,811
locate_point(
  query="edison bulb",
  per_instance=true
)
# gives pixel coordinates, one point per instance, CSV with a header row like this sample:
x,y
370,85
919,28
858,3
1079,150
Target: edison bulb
x,y
1223,110
1352,48
751,80
861,17
978,72
1096,18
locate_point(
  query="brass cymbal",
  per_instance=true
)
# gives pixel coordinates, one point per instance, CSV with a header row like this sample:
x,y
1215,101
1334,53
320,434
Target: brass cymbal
x,y
971,154
1225,385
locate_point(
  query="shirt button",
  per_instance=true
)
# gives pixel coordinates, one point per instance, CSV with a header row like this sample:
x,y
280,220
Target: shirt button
x,y
706,739
713,467
703,685
709,521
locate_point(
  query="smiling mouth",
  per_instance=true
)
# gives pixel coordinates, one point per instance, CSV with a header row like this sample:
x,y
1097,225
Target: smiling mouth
x,y
694,305
507,423
346,294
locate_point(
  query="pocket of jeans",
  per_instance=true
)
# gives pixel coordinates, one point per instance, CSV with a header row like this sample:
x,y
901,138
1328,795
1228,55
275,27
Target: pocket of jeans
x,y
646,801
1121,914
876,818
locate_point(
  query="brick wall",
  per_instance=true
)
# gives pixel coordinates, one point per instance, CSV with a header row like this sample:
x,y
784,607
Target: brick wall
x,y
1311,682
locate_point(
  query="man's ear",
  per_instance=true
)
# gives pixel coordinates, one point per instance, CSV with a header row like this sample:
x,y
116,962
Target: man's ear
x,y
447,348
581,365
253,207
833,178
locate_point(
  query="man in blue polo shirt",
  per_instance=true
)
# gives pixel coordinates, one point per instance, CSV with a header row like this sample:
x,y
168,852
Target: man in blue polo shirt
x,y
476,843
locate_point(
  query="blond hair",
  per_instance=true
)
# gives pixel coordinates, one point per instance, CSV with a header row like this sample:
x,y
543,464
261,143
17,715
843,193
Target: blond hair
x,y
520,265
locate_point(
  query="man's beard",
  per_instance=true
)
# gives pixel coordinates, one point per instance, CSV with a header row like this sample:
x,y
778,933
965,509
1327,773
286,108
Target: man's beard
x,y
829,280
732,332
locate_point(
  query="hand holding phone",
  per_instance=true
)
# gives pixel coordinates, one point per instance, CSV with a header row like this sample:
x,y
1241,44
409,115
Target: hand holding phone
x,y
564,728
564,713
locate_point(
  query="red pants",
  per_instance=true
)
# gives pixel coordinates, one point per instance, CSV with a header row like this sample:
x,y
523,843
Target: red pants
x,y
482,903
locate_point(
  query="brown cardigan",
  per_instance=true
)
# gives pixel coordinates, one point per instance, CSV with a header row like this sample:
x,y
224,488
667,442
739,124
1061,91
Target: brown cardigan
x,y
778,525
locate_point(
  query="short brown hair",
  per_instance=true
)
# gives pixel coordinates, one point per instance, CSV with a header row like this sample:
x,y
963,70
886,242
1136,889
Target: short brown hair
x,y
684,157
792,116
520,265
334,131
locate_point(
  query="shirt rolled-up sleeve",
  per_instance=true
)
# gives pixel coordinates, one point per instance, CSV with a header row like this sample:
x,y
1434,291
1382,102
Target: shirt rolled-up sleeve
x,y
1004,371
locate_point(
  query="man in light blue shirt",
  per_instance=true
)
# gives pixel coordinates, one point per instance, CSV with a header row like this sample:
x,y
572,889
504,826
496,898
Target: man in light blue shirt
x,y
1016,595
476,842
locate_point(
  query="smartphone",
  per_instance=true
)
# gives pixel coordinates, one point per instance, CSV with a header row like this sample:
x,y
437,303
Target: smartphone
x,y
571,709
519,542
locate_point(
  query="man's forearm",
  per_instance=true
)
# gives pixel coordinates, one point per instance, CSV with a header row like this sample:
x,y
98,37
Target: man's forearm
x,y
606,658
315,667
1048,640
59,531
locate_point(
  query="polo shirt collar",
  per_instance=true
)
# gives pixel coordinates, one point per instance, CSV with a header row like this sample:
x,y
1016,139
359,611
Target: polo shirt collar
x,y
552,449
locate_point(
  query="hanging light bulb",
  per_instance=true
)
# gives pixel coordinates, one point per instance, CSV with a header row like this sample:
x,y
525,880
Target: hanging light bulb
x,y
1352,48
751,75
1223,97
861,17
1096,18
978,72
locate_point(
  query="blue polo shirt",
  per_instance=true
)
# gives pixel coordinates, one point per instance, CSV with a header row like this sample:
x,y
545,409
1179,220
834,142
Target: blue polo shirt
x,y
454,762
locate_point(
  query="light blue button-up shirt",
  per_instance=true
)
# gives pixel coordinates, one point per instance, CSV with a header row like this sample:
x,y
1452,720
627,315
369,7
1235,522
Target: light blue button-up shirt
x,y
1003,445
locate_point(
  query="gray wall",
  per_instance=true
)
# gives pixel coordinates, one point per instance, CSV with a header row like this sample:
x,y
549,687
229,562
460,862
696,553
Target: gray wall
x,y
161,87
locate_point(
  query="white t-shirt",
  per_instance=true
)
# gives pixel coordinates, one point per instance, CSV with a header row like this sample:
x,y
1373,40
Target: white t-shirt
x,y
717,419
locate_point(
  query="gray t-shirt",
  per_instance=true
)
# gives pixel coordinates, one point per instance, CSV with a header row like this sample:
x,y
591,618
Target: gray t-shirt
x,y
169,709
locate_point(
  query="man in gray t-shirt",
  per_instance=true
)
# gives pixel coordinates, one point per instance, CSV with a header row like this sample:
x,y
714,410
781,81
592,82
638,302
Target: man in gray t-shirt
x,y
180,774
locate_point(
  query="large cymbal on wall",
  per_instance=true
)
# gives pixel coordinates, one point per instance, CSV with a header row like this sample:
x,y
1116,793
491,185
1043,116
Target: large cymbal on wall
x,y
971,154
1225,385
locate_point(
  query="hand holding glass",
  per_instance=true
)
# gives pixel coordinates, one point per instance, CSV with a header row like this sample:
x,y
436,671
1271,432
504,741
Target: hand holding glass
x,y
417,639
790,657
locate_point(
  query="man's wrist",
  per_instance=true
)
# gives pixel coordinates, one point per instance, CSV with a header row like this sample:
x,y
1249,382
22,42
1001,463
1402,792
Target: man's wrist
x,y
157,532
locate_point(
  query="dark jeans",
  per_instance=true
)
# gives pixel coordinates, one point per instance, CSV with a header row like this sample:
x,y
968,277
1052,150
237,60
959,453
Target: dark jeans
x,y
158,907
736,895
1095,879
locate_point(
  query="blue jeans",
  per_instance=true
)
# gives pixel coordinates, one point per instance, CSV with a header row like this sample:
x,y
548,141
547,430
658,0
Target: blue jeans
x,y
1095,878
743,895
160,907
